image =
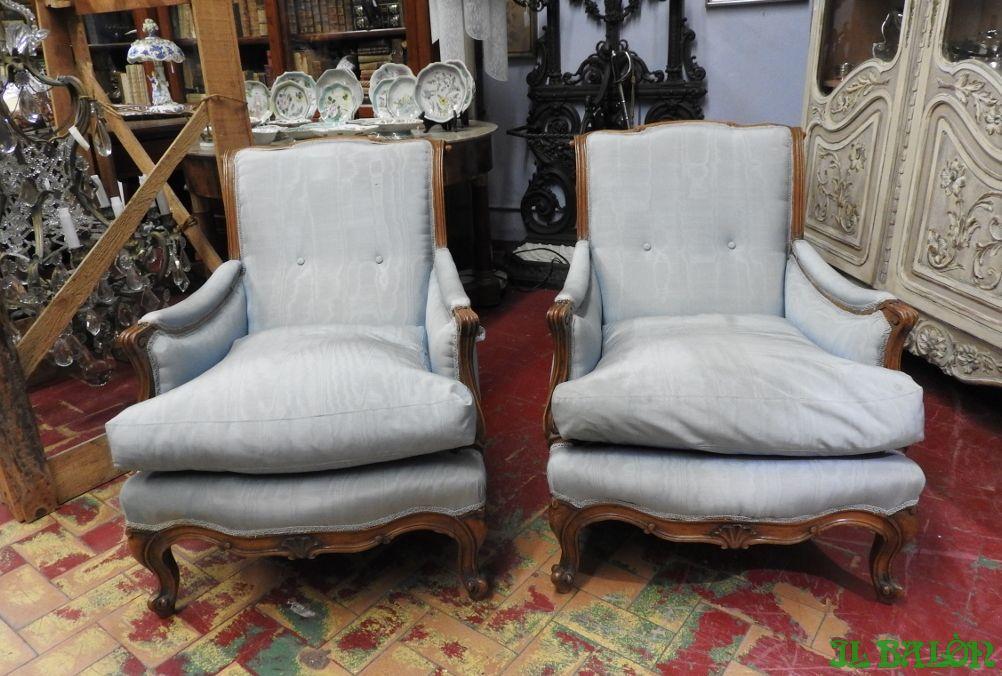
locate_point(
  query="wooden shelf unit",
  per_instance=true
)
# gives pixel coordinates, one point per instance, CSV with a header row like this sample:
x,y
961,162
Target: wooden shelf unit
x,y
272,53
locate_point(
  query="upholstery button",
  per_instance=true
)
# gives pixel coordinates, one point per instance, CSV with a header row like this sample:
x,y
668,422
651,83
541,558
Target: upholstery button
x,y
300,261
731,245
379,259
647,246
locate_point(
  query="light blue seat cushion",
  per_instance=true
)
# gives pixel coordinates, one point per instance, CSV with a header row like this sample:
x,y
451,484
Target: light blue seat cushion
x,y
688,485
301,399
450,482
749,384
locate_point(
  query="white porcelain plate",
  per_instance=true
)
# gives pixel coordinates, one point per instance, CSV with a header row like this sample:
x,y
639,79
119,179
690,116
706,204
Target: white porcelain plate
x,y
471,84
290,102
337,104
379,96
258,101
343,77
400,98
387,70
308,83
441,91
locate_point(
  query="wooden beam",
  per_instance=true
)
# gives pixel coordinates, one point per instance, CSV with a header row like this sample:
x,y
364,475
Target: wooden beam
x,y
418,24
79,469
58,58
25,482
220,55
99,6
85,71
59,312
278,37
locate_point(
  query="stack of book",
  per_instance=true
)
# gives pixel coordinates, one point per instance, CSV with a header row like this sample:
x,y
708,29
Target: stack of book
x,y
250,18
370,57
319,16
133,84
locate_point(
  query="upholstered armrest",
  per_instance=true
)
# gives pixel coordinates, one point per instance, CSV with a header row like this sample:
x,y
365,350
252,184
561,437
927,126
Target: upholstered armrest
x,y
171,346
452,329
576,325
847,320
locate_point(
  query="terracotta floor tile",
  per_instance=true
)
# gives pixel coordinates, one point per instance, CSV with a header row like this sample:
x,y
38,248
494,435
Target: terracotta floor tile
x,y
93,572
83,513
305,611
399,660
72,655
555,650
437,584
241,637
227,598
53,550
9,560
629,635
145,635
105,536
111,489
613,584
118,661
527,610
12,531
451,644
25,595
80,612
13,650
706,643
361,641
286,653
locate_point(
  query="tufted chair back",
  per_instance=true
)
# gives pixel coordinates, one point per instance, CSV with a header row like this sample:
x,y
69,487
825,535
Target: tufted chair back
x,y
689,218
335,232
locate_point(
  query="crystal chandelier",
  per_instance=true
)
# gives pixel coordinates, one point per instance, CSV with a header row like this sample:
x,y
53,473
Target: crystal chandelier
x,y
52,211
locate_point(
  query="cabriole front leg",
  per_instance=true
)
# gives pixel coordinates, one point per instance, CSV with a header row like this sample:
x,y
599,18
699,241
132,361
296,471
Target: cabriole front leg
x,y
900,529
568,533
154,553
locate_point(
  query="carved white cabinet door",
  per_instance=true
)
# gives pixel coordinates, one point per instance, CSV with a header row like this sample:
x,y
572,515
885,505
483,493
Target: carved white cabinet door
x,y
858,71
946,257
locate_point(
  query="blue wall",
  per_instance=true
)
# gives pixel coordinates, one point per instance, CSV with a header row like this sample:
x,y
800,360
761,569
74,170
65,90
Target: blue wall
x,y
755,59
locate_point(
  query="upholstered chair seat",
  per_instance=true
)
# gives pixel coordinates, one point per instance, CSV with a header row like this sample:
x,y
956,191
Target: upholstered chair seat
x,y
319,394
714,379
449,483
745,384
691,485
301,399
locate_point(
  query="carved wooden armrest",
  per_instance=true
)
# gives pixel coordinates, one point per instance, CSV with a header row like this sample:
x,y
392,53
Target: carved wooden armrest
x,y
558,318
848,299
168,346
468,329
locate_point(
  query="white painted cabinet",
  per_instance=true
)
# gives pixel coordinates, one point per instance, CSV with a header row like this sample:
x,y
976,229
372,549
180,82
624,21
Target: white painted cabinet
x,y
904,148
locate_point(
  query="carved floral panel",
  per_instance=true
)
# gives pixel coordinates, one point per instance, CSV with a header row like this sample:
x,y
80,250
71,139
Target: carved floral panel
x,y
842,177
960,239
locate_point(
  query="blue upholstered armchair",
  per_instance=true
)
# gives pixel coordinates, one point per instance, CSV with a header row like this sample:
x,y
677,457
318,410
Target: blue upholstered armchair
x,y
319,394
714,379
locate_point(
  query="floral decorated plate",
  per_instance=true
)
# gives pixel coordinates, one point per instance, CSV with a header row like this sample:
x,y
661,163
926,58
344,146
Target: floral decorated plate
x,y
290,102
400,98
258,101
337,104
387,70
308,83
471,84
379,96
343,77
441,91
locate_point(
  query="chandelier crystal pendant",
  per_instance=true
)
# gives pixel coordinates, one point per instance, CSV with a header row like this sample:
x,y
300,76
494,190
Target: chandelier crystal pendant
x,y
157,50
52,212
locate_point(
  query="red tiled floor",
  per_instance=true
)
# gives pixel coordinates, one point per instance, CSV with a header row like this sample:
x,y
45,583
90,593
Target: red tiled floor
x,y
644,606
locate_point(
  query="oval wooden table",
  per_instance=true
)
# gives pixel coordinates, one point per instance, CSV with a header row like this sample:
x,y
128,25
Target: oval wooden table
x,y
468,159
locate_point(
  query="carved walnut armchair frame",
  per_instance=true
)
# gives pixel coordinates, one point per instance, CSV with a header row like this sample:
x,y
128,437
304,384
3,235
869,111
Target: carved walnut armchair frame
x,y
568,521
153,548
